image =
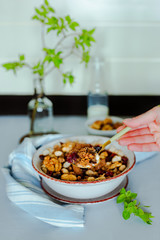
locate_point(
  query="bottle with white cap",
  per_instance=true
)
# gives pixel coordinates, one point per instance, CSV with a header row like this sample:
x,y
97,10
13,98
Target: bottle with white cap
x,y
97,96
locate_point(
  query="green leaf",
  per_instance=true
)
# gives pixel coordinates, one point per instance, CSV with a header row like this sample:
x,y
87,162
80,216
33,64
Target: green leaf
x,y
68,19
14,66
126,214
53,57
131,206
46,2
121,198
85,57
35,17
123,190
51,9
68,76
73,25
38,69
21,57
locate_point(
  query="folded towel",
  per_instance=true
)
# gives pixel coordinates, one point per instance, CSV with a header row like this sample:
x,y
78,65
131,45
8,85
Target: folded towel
x,y
24,189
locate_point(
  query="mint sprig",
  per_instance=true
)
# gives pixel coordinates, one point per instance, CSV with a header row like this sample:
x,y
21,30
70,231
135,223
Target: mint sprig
x,y
131,206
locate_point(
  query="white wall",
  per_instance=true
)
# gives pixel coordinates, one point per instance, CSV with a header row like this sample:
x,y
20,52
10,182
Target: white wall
x,y
127,35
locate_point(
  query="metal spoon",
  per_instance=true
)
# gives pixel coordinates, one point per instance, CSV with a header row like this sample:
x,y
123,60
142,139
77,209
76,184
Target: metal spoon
x,y
115,137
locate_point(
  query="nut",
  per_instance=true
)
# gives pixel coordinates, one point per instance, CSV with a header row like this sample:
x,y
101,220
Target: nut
x,y
61,159
72,177
68,177
122,167
103,155
65,176
66,164
50,167
115,170
90,178
90,173
58,166
44,169
47,151
102,177
64,170
108,164
114,165
77,170
66,149
58,153
116,159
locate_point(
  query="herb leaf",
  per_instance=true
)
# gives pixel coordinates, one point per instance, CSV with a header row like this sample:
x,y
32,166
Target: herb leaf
x,y
131,206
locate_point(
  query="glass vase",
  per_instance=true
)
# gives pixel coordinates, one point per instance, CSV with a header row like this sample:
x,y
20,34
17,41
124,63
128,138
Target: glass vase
x,y
40,110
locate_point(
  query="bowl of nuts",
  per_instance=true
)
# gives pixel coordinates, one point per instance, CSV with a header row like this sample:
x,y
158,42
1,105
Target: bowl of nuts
x,y
73,168
103,126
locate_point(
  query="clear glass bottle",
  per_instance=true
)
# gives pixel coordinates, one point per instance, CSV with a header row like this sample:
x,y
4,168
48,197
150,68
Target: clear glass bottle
x,y
97,97
40,110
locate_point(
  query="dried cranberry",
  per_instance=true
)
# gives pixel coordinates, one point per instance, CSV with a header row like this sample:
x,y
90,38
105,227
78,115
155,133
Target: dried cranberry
x,y
56,175
72,157
109,174
110,156
49,173
124,160
41,157
97,148
100,172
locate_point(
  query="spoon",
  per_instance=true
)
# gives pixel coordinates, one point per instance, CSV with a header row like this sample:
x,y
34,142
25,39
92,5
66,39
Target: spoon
x,y
115,137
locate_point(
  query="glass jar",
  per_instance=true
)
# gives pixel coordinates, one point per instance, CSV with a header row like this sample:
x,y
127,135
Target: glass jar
x,y
40,110
97,97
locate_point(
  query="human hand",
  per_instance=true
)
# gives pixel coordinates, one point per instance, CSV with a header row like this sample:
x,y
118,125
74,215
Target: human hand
x,y
145,133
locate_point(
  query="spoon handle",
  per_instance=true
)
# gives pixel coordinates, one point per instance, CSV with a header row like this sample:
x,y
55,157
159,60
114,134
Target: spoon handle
x,y
116,136
120,134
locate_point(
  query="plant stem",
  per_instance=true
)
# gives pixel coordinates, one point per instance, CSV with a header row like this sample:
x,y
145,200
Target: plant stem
x,y
34,111
42,36
63,38
33,116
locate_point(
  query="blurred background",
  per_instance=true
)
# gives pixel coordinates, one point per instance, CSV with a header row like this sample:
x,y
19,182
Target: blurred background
x,y
127,39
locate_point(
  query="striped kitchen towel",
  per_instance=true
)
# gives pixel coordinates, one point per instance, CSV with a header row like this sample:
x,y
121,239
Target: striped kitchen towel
x,y
24,189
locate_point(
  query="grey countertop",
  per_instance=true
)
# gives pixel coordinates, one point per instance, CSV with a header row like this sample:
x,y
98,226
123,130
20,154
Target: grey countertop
x,y
103,220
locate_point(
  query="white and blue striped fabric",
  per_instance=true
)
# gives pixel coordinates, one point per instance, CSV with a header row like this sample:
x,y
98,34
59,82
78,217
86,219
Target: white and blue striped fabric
x,y
24,189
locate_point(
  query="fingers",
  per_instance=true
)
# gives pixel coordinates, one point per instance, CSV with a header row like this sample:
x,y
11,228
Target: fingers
x,y
143,119
147,138
147,147
137,132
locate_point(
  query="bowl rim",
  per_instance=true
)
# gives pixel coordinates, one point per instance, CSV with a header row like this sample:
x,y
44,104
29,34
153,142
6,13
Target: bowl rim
x,y
80,182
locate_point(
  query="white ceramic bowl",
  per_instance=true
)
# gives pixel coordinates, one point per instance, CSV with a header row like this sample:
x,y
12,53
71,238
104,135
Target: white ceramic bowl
x,y
107,133
83,190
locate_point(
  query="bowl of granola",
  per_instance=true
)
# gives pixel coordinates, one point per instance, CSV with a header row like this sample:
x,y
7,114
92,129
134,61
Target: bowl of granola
x,y
103,126
69,166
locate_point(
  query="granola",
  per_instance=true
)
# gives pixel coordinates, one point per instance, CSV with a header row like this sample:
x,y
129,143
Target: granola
x,y
75,161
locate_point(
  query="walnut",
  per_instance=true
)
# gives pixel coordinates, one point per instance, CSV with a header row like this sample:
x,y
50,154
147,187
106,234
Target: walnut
x,y
77,170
